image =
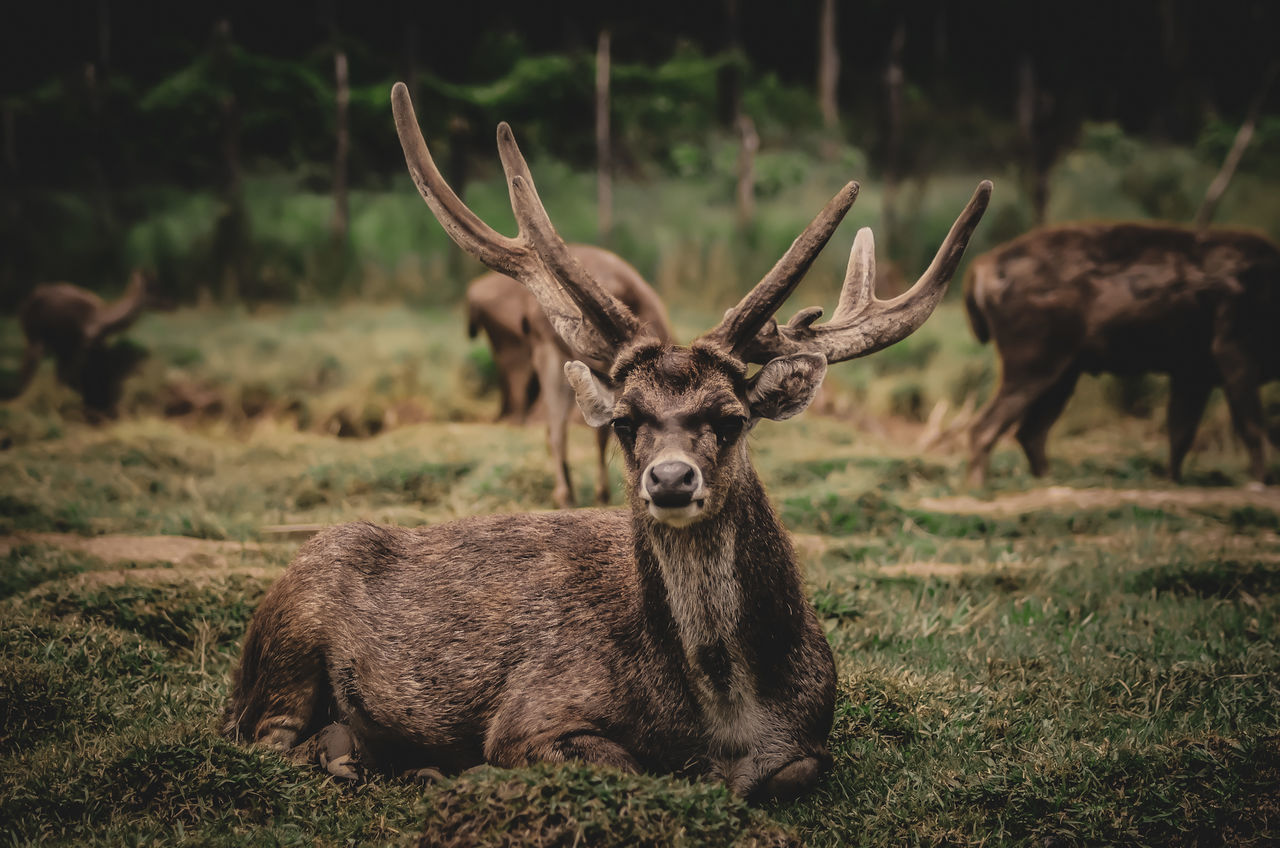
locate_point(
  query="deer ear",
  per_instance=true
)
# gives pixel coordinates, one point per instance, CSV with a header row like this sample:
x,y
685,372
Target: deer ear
x,y
594,398
786,385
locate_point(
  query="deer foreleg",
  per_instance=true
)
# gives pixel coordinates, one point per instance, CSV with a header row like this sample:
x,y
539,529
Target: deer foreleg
x,y
583,745
560,405
1187,398
30,362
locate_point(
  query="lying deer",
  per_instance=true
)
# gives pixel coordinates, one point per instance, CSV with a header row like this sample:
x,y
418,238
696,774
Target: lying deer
x,y
527,350
73,325
672,636
1126,299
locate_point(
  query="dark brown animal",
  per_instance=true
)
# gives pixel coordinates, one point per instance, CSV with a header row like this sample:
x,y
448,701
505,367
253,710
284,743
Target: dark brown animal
x,y
673,636
530,357
1203,307
74,325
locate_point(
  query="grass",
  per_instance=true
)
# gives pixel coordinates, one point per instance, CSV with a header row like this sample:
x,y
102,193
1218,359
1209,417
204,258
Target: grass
x,y
1053,672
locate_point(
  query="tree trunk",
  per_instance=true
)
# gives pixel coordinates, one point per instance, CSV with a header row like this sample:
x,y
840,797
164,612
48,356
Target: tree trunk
x,y
729,77
828,76
231,229
1034,164
10,118
746,193
604,159
457,175
1204,216
894,78
104,35
340,223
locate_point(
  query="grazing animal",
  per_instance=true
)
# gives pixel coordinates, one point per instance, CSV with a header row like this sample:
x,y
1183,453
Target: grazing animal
x,y
1203,307
674,636
530,357
74,325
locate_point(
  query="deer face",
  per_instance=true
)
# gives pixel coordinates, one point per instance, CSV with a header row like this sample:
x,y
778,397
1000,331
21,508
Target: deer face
x,y
682,414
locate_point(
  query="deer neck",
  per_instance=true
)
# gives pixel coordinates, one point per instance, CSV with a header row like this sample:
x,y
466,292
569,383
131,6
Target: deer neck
x,y
715,588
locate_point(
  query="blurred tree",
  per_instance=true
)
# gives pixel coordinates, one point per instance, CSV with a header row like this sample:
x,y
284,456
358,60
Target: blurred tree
x,y
604,158
342,143
828,76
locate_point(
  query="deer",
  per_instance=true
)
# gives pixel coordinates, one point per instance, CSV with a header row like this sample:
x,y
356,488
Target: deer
x,y
1126,298
530,356
671,636
73,325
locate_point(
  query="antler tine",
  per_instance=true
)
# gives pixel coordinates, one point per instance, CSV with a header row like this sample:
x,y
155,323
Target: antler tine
x,y
861,323
738,329
463,226
859,287
586,317
615,322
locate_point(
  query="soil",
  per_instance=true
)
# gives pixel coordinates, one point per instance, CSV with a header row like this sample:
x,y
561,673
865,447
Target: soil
x,y
1065,497
180,551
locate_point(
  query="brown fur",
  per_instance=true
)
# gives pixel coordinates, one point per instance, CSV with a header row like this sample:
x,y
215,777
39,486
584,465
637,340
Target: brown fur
x,y
530,357
607,636
73,325
1126,299
674,638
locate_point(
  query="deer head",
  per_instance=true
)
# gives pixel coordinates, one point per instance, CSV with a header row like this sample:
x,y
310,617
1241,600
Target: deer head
x,y
680,412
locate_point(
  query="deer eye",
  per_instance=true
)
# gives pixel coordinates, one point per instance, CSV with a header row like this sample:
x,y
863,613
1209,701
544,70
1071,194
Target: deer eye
x,y
728,428
623,427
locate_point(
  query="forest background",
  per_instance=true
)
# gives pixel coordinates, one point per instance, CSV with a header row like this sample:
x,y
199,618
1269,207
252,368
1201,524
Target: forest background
x,y
204,143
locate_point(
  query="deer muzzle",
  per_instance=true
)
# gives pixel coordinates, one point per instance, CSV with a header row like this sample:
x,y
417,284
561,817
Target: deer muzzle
x,y
673,488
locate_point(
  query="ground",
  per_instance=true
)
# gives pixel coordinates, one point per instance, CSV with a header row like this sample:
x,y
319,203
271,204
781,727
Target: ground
x,y
1089,659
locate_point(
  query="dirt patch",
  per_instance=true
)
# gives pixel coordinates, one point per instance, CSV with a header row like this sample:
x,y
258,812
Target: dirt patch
x,y
1066,497
181,575
181,551
935,569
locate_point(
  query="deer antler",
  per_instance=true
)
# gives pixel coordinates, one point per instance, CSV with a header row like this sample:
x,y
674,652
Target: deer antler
x,y
743,322
861,324
590,320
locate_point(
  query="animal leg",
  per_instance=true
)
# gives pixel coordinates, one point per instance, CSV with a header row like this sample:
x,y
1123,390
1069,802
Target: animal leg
x,y
30,362
1187,399
582,744
602,445
1240,380
1001,413
560,404
515,372
1033,432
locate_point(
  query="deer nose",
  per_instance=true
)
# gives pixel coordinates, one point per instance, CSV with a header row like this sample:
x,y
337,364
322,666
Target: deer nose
x,y
672,483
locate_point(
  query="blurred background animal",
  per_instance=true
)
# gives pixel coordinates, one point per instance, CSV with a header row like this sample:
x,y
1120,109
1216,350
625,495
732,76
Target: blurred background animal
x,y
74,326
1202,307
530,356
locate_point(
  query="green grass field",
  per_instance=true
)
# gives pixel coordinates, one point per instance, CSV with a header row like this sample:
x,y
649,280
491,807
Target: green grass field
x,y
1087,660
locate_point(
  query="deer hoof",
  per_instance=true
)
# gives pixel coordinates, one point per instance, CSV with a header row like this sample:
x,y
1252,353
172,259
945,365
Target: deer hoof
x,y
337,752
791,781
343,768
424,775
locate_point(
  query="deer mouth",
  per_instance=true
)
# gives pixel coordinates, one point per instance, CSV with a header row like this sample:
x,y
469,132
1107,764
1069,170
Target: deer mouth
x,y
674,515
